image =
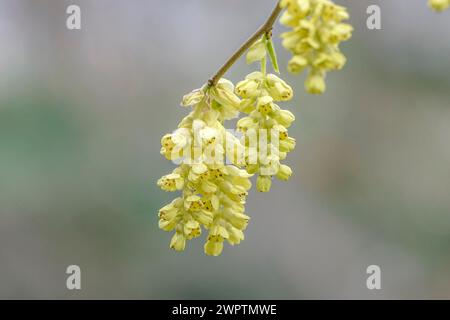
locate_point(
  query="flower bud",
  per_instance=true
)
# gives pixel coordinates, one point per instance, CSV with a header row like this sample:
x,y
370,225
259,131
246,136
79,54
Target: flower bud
x,y
168,212
236,235
315,83
171,182
255,75
217,232
167,225
192,229
278,89
252,168
297,64
284,117
284,172
282,131
287,145
264,105
208,136
290,40
245,123
247,88
333,61
223,93
340,32
213,248
193,203
296,7
193,97
263,183
246,105
288,20
238,220
203,216
178,242
338,60
334,13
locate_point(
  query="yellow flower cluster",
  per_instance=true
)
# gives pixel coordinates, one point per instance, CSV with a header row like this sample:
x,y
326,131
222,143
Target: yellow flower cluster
x,y
317,30
439,5
265,133
213,192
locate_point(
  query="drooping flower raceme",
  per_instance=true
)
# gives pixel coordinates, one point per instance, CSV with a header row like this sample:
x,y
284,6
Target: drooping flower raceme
x,y
213,193
265,133
439,5
317,30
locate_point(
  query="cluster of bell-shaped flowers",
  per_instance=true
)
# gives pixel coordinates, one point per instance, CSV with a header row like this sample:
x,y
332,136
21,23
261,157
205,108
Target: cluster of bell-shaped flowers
x,y
213,188
317,30
439,5
265,128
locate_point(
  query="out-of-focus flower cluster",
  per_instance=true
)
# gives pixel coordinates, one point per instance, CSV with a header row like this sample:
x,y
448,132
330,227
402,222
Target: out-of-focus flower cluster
x,y
213,193
317,30
439,5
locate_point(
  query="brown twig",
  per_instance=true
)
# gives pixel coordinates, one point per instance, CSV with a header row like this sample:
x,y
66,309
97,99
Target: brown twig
x,y
266,28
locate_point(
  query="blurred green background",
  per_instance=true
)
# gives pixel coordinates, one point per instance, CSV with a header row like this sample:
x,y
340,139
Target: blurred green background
x,y
82,113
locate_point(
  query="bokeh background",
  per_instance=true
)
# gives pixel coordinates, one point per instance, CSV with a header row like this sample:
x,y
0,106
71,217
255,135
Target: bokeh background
x,y
82,113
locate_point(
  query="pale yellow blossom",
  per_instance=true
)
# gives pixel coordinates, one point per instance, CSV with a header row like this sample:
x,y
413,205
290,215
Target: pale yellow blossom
x,y
317,29
213,192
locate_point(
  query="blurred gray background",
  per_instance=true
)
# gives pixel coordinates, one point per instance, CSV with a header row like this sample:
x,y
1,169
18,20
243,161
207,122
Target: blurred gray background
x,y
82,114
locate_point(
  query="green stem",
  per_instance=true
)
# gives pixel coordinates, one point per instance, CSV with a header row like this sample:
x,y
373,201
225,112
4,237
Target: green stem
x,y
264,66
264,29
